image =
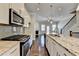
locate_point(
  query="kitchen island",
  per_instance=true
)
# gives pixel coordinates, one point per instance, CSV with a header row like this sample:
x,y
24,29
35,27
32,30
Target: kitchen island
x,y
62,46
9,48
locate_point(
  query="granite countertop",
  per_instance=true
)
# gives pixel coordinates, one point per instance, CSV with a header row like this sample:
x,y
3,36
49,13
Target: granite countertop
x,y
6,46
69,43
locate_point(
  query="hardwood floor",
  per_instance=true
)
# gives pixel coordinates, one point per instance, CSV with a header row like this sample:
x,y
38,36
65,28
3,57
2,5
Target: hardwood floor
x,y
37,50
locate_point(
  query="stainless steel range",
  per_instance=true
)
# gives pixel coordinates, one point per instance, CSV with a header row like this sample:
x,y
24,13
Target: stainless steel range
x,y
24,42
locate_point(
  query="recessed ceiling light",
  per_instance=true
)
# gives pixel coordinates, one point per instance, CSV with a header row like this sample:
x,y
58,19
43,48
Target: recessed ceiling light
x,y
38,9
59,9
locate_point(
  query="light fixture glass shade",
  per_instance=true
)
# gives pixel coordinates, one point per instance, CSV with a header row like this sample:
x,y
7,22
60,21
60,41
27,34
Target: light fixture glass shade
x,y
48,20
59,9
38,9
51,22
49,17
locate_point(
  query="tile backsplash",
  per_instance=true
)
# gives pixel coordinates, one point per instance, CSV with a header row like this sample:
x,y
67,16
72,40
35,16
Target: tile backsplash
x,y
8,31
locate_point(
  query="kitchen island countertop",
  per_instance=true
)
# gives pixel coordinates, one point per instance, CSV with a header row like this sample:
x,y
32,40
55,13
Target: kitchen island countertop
x,y
69,43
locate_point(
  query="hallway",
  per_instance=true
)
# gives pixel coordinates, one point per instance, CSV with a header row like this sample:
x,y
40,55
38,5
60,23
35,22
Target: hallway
x,y
37,49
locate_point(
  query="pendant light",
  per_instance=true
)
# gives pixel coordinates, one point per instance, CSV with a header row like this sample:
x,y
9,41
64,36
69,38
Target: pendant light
x,y
50,17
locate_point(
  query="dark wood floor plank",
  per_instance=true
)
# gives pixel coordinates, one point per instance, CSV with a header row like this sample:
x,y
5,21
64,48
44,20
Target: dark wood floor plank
x,y
37,50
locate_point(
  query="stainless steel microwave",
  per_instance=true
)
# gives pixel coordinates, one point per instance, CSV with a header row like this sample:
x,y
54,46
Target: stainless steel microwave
x,y
15,18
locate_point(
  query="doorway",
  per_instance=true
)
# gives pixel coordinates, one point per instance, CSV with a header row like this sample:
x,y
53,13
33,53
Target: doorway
x,y
48,30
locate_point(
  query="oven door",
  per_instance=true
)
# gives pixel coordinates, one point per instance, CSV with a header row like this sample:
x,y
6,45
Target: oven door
x,y
25,49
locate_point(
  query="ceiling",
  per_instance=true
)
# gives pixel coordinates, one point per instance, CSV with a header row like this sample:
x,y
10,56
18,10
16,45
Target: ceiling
x,y
58,11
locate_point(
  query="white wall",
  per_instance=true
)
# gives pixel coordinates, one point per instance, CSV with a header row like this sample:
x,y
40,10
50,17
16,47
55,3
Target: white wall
x,y
66,30
64,21
75,28
62,24
35,25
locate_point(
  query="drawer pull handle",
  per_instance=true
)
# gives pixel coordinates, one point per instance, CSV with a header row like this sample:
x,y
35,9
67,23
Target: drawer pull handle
x,y
65,54
57,54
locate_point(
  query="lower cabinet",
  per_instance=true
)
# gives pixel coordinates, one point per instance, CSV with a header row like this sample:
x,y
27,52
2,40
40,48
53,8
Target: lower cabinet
x,y
63,51
48,44
14,51
55,49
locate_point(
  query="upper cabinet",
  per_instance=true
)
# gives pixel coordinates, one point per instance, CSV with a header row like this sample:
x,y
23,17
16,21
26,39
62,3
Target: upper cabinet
x,y
4,13
26,16
18,7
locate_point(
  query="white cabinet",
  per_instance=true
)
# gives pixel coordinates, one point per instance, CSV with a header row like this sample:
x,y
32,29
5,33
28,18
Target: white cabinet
x,y
48,46
26,21
14,51
20,9
26,17
55,49
62,51
17,7
4,13
51,46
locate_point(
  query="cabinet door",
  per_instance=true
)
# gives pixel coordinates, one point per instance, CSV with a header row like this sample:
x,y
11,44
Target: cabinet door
x,y
24,13
52,47
18,7
62,51
26,17
54,50
26,21
15,7
4,13
48,44
15,51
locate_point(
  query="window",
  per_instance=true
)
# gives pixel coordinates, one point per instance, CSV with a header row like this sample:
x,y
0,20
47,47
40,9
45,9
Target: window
x,y
42,27
48,29
53,27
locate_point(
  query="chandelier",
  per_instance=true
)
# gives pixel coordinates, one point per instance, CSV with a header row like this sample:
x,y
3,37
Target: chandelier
x,y
50,19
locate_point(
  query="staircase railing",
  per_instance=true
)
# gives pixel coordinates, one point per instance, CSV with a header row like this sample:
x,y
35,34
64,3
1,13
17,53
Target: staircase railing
x,y
68,23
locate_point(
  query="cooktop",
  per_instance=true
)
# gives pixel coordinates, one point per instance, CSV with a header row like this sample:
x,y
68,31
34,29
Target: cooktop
x,y
15,38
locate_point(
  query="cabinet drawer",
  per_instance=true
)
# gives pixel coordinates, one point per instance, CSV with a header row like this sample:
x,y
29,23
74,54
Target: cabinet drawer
x,y
62,51
9,52
14,51
54,49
